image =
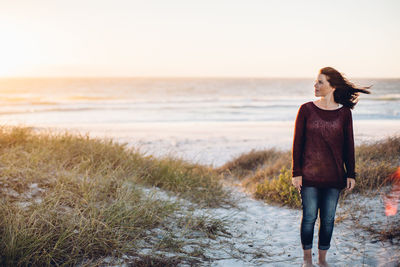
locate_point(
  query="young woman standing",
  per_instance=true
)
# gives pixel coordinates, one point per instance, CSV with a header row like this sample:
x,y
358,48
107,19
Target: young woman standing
x,y
323,156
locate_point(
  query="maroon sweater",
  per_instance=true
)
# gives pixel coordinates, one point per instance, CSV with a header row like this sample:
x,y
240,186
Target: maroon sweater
x,y
323,146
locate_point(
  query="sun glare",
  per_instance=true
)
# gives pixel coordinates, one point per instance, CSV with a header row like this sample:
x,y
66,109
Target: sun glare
x,y
17,51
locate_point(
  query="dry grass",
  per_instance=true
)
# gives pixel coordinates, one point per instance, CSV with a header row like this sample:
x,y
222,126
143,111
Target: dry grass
x,y
266,173
376,162
246,164
254,167
69,200
380,232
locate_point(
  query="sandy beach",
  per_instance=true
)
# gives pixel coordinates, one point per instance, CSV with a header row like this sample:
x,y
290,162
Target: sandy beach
x,y
212,122
214,143
262,234
269,235
158,133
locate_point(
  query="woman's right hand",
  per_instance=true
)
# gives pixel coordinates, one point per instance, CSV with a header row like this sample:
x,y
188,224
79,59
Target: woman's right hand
x,y
297,182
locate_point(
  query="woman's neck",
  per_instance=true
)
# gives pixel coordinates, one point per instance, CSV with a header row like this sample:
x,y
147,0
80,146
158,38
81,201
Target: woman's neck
x,y
327,102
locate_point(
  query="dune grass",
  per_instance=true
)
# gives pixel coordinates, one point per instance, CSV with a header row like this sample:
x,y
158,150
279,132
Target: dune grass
x,y
375,163
254,167
267,174
69,200
279,190
73,200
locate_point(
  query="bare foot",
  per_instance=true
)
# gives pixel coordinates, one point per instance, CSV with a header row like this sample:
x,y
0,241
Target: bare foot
x,y
307,264
323,264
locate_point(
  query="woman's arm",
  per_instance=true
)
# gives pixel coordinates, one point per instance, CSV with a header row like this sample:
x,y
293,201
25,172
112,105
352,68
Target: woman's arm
x,y
348,157
298,142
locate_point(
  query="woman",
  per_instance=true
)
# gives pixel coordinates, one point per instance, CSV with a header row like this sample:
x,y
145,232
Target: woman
x,y
323,156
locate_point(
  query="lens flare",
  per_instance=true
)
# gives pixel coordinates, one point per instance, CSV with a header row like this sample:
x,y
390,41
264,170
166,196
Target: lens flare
x,y
392,199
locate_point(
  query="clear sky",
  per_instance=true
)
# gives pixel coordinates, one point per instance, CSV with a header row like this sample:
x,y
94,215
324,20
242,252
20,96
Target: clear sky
x,y
229,38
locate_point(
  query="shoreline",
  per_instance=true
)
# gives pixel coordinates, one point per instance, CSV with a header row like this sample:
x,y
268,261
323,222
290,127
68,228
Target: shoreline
x,y
212,143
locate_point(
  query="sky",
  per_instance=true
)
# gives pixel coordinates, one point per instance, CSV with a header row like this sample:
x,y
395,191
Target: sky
x,y
203,38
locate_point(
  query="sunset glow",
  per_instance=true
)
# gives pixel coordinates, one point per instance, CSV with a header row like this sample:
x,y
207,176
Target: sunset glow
x,y
199,38
15,57
392,199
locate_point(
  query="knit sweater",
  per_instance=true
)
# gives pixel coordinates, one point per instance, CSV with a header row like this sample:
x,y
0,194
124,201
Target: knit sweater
x,y
323,146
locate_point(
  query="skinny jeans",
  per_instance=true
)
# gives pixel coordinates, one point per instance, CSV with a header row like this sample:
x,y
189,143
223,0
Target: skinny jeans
x,y
325,200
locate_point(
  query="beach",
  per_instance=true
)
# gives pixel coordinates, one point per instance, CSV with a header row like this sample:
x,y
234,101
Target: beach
x,y
210,122
160,133
215,143
269,235
205,120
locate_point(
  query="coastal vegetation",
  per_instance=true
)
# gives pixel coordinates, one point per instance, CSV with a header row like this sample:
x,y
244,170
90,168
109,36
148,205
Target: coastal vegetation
x,y
75,200
70,199
267,176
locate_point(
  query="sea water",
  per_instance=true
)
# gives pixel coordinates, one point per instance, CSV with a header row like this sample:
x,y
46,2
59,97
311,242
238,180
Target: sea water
x,y
135,100
207,120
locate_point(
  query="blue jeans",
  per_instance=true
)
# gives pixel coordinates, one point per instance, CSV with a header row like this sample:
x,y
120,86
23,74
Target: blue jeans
x,y
324,199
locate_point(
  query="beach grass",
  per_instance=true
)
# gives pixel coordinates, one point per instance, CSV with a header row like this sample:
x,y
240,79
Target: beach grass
x,y
73,200
267,174
376,162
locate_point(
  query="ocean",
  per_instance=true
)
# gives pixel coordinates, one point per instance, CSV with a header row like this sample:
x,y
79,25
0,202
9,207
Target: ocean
x,y
56,101
208,120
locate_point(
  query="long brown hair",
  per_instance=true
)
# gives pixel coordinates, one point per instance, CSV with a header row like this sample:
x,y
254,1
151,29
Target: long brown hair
x,y
346,92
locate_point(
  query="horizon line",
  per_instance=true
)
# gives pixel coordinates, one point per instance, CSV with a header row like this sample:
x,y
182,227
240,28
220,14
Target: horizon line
x,y
177,77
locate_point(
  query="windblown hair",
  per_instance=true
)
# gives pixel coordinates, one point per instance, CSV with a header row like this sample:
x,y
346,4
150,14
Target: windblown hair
x,y
346,92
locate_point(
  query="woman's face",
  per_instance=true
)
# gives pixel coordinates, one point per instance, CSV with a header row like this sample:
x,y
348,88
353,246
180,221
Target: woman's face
x,y
322,86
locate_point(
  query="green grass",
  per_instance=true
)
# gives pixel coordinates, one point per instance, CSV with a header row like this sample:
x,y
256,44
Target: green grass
x,y
70,199
279,190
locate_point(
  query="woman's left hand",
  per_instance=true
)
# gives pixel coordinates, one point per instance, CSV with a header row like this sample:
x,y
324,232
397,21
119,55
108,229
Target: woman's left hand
x,y
350,184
